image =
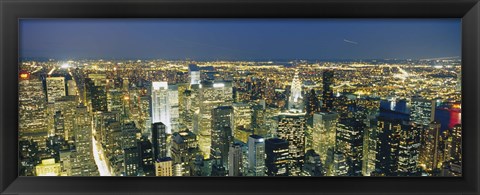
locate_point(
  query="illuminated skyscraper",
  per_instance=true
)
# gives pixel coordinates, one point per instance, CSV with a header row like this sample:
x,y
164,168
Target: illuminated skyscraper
x,y
212,94
259,120
65,107
184,151
242,120
222,138
235,160
393,124
295,101
32,110
277,157
55,88
429,149
256,155
408,152
82,134
327,97
291,127
165,105
96,92
324,132
349,142
194,74
422,111
312,103
159,139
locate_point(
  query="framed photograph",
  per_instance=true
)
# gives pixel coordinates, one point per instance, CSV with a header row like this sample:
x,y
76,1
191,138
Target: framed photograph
x,y
243,97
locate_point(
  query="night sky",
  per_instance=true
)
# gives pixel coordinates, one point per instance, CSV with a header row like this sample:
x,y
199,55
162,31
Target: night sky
x,y
235,39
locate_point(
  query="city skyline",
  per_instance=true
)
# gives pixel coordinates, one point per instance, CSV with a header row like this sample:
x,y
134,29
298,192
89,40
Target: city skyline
x,y
240,39
245,117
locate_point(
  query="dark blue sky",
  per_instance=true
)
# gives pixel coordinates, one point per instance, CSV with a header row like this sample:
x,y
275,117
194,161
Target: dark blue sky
x,y
245,39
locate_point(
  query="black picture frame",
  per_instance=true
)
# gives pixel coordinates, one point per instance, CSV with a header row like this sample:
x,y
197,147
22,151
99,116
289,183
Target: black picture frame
x,y
13,10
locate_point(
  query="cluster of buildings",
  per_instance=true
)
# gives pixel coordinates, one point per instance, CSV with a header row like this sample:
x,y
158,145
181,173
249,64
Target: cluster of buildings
x,y
174,118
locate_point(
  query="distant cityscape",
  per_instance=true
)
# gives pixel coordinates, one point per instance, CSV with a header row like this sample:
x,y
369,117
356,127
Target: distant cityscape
x,y
385,117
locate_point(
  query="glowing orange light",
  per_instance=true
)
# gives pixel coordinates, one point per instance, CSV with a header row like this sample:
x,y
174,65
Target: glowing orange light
x,y
126,98
457,106
24,75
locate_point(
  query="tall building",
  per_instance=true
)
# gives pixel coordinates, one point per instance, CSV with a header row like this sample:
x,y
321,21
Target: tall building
x,y
312,104
222,138
145,157
256,155
313,165
242,121
430,147
65,107
295,101
184,150
422,111
327,96
194,74
339,164
82,134
218,167
349,142
393,124
277,157
32,110
212,94
409,149
159,139
131,158
456,148
96,92
235,160
259,121
55,88
165,105
291,127
324,132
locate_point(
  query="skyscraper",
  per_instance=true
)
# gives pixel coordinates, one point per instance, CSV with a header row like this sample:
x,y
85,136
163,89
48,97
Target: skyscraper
x,y
222,138
146,157
212,94
295,101
159,139
327,97
312,103
429,149
277,157
324,132
194,74
393,123
349,142
184,150
242,121
256,155
82,134
32,110
131,158
235,160
96,92
291,127
165,105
